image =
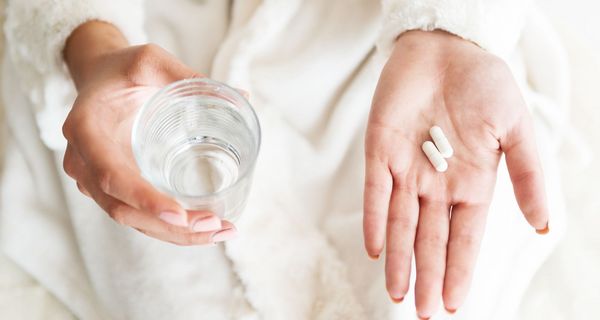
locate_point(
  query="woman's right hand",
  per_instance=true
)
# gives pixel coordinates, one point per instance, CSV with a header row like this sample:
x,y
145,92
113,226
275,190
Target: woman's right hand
x,y
113,79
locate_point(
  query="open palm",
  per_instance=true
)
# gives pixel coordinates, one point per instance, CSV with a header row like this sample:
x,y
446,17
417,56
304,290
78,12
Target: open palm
x,y
434,78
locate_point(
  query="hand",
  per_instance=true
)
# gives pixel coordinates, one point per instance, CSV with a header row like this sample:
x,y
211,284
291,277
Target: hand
x,y
435,78
112,81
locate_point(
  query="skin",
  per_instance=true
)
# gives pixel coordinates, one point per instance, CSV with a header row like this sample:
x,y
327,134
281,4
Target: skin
x,y
435,78
113,79
431,78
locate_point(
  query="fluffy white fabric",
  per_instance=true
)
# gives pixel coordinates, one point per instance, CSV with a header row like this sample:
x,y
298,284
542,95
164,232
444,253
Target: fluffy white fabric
x,y
37,31
492,24
310,69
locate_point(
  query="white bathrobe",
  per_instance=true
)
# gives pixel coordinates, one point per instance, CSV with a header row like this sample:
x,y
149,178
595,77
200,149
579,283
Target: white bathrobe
x,y
311,68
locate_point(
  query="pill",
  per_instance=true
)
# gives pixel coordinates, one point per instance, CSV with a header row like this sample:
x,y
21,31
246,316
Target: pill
x,y
441,142
434,156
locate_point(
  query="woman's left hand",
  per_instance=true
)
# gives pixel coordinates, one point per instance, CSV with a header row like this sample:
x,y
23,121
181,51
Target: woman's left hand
x,y
435,78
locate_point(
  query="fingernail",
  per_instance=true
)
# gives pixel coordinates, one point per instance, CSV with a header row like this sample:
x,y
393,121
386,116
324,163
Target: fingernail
x,y
224,235
173,218
397,300
451,311
543,231
373,257
209,223
422,318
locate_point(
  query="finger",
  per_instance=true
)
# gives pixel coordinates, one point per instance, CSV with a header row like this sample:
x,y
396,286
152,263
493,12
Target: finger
x,y
227,232
155,66
113,176
127,215
83,190
72,163
526,173
176,70
430,255
73,166
401,229
200,221
244,93
467,224
378,186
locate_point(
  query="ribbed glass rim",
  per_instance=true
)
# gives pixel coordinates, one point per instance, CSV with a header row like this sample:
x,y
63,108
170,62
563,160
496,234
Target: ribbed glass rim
x,y
186,82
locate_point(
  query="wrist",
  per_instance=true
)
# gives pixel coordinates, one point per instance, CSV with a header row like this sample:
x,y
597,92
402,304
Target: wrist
x,y
434,39
435,50
86,46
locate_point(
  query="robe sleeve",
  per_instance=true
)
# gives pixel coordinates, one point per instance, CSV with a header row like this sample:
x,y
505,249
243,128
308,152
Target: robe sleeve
x,y
494,25
36,32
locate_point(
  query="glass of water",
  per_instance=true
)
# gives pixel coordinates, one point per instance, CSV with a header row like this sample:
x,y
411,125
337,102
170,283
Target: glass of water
x,y
197,140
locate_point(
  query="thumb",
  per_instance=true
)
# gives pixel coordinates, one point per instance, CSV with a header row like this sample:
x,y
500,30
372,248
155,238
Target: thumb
x,y
526,173
167,67
176,71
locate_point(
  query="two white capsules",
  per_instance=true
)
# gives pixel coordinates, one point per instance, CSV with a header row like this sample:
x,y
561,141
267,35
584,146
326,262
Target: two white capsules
x,y
438,153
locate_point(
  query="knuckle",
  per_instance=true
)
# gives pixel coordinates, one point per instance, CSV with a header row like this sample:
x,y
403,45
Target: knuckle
x,y
146,233
149,50
74,122
402,221
118,212
397,257
147,200
186,239
177,230
408,187
69,165
433,241
143,60
404,179
105,180
146,52
71,127
435,197
375,149
465,241
376,186
194,239
66,129
492,65
82,189
524,177
434,270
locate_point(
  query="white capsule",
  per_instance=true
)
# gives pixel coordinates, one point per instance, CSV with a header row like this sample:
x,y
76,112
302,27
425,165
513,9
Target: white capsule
x,y
441,142
434,156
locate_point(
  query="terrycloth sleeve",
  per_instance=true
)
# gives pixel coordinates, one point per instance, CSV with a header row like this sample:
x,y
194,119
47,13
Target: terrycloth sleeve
x,y
494,25
36,32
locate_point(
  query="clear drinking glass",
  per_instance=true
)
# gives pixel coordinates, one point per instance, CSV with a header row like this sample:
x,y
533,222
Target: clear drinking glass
x,y
197,140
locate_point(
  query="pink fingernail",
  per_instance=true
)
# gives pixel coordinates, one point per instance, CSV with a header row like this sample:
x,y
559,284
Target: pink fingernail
x,y
173,218
224,235
209,223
